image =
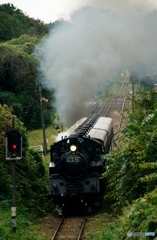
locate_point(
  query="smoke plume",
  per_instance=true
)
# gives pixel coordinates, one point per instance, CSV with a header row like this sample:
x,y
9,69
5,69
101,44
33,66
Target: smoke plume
x,y
99,41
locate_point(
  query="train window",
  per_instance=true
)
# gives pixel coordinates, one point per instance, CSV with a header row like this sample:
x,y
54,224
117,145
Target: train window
x,y
87,182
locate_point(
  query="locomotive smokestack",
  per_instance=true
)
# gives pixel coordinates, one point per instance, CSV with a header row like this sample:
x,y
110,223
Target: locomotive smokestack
x,y
98,43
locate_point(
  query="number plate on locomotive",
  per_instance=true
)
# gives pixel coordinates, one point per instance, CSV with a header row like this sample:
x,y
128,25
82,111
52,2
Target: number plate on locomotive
x,y
73,159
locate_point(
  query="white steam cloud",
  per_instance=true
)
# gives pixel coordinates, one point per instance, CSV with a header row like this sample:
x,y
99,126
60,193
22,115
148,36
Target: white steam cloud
x,y
97,43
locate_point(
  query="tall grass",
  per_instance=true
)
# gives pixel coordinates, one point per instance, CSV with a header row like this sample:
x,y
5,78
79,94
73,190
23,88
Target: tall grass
x,y
36,137
26,228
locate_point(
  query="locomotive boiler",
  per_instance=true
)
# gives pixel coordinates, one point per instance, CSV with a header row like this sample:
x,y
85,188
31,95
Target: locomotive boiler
x,y
77,162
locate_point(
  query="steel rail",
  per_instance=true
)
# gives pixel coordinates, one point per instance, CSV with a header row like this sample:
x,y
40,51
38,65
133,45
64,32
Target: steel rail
x,y
81,230
104,105
121,117
123,104
57,229
119,95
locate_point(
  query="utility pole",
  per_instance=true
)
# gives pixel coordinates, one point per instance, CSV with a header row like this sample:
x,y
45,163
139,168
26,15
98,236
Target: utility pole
x,y
42,122
13,208
133,92
155,78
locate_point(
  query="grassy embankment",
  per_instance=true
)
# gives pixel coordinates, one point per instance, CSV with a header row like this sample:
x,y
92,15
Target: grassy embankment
x,y
35,138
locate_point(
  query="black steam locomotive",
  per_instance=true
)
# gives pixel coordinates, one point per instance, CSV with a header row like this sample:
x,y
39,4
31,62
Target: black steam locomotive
x,y
77,162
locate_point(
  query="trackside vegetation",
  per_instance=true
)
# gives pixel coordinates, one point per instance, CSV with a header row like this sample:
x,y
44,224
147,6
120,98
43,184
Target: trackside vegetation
x,y
31,180
132,175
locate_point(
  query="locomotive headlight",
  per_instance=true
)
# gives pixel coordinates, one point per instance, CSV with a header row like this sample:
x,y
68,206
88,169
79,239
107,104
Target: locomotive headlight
x,y
73,148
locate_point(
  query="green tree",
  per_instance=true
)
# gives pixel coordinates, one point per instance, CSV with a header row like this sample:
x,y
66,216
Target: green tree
x,y
18,85
131,172
15,23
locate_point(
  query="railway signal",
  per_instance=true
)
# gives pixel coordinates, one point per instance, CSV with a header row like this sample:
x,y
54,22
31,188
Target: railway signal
x,y
14,145
13,152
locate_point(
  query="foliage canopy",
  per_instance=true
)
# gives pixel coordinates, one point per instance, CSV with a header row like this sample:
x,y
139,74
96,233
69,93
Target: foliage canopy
x,y
15,23
19,67
132,166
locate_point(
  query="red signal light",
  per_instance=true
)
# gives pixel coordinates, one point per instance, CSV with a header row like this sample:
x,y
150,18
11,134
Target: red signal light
x,y
14,146
14,143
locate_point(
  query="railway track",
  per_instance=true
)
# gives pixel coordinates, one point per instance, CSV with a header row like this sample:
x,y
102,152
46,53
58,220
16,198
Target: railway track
x,y
69,228
114,107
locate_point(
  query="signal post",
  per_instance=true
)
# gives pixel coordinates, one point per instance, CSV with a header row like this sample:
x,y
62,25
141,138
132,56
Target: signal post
x,y
13,152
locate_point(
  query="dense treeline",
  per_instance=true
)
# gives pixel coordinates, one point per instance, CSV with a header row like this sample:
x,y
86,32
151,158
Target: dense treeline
x,y
15,23
18,87
19,97
19,35
133,163
132,177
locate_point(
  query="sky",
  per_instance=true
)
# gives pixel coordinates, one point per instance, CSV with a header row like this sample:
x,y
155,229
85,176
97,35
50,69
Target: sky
x,y
51,10
46,10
